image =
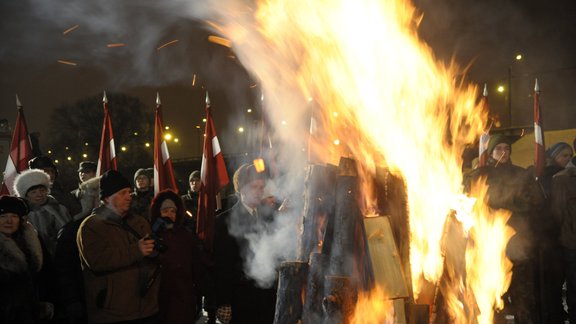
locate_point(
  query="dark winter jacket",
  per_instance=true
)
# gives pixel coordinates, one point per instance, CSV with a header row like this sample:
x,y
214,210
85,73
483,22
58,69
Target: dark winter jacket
x,y
48,219
564,205
20,262
182,264
249,302
141,202
114,270
515,189
191,205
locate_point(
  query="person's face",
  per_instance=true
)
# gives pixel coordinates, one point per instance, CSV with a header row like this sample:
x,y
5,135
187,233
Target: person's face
x,y
501,153
253,192
9,223
86,175
52,173
142,182
169,213
37,196
120,201
564,157
195,184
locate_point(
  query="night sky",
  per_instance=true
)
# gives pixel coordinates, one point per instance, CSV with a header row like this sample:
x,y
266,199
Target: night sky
x,y
484,36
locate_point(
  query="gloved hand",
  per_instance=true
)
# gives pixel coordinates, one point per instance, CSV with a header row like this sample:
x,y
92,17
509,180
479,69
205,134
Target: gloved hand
x,y
224,314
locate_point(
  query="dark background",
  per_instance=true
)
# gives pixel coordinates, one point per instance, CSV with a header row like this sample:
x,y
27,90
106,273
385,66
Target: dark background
x,y
484,36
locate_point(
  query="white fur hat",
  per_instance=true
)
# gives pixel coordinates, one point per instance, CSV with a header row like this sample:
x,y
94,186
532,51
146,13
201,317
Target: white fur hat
x,y
30,178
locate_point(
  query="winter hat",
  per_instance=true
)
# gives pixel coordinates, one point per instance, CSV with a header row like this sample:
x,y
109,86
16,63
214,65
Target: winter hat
x,y
194,175
87,166
29,179
9,204
111,182
41,162
168,203
144,172
497,139
246,174
555,149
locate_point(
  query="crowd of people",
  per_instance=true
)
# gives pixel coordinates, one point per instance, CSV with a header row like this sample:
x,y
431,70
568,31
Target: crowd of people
x,y
113,252
543,210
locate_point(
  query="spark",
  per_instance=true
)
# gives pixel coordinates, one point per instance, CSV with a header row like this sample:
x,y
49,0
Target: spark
x,y
194,80
220,41
167,44
115,45
67,62
69,30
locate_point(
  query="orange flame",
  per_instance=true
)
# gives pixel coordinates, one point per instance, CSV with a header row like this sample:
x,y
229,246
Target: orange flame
x,y
373,308
381,92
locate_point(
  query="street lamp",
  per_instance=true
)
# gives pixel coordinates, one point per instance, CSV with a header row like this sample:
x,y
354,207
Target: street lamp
x,y
518,57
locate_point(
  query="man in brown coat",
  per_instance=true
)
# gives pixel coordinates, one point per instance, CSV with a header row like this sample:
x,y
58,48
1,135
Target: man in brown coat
x,y
120,279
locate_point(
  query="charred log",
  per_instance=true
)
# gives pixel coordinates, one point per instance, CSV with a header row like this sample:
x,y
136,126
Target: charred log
x,y
312,312
290,294
339,301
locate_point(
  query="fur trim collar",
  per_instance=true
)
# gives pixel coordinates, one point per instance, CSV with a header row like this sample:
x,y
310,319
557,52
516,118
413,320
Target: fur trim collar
x,y
13,259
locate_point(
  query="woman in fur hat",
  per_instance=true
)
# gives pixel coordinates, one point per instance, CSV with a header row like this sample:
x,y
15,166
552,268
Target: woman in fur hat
x,y
20,262
181,260
46,214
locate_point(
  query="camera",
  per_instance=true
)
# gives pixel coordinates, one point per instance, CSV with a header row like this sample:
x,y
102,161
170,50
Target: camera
x,y
159,225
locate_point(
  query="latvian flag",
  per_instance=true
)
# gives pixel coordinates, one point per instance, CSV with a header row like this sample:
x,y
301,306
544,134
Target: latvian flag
x,y
107,156
20,151
163,172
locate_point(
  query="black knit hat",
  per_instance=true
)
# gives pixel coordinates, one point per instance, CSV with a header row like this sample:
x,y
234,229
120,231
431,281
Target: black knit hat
x,y
10,204
41,162
111,182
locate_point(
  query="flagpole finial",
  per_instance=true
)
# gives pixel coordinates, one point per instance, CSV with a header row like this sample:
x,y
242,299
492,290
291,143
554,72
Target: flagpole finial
x,y
536,86
158,103
18,103
207,99
104,98
485,92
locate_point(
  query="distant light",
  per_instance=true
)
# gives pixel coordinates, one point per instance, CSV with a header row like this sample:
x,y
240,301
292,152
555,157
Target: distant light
x,y
86,144
167,136
248,110
176,140
147,144
84,155
500,89
69,158
240,129
204,134
518,57
56,161
166,127
49,151
336,142
135,133
284,122
67,148
203,120
198,126
123,148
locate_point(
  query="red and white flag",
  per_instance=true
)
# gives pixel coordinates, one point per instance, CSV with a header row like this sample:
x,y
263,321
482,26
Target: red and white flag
x,y
214,177
539,151
107,156
20,151
485,137
163,172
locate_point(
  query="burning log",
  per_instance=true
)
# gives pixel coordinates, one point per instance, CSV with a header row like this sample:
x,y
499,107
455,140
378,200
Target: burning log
x,y
385,260
340,299
346,216
318,206
312,312
291,288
